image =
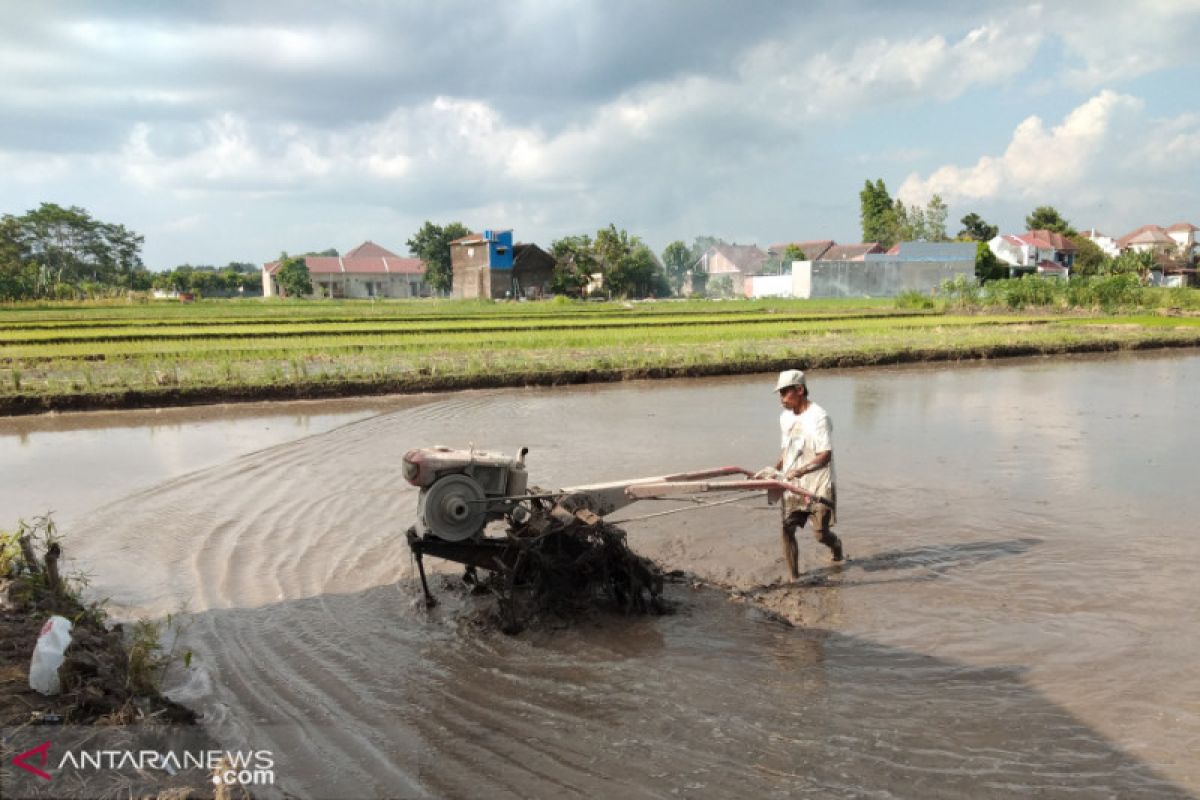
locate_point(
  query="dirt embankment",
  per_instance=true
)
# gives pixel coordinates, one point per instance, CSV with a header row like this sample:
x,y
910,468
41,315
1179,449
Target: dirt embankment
x,y
109,691
421,383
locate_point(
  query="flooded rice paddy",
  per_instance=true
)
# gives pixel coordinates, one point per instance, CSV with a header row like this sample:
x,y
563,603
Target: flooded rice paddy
x,y
1018,617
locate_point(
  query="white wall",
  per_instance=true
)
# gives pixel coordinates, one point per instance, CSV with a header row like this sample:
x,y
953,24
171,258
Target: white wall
x,y
802,279
769,286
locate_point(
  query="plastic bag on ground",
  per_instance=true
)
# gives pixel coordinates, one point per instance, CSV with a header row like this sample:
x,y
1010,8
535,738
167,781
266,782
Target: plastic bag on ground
x,y
48,655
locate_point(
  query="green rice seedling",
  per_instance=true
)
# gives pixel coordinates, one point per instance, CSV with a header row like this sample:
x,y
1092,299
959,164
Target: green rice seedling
x,y
911,299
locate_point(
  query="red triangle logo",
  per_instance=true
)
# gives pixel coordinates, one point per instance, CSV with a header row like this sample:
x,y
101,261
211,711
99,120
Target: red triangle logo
x,y
42,751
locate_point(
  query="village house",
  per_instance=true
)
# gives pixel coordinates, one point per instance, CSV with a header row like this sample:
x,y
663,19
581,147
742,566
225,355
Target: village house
x,y
733,261
1177,242
367,271
1175,251
1040,252
490,265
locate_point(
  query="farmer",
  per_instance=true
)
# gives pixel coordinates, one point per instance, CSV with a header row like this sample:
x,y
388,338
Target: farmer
x,y
806,461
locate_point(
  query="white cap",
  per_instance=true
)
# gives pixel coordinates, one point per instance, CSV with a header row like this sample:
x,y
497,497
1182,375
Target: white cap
x,y
790,377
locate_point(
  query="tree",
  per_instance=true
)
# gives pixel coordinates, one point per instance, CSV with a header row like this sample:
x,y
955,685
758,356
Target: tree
x,y
1090,260
1047,218
629,266
908,223
935,219
293,276
914,223
780,263
677,260
52,246
431,244
574,263
974,227
75,247
878,214
1133,263
18,276
987,266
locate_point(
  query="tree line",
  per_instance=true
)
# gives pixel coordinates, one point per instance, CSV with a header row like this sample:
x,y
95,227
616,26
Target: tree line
x,y
57,253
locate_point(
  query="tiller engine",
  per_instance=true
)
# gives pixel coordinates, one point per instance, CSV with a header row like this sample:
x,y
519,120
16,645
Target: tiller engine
x,y
462,491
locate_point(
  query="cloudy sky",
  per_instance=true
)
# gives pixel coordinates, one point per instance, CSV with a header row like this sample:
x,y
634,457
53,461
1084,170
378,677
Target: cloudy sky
x,y
229,131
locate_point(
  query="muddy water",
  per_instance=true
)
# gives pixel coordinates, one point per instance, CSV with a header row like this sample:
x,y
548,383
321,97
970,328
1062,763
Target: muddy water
x,y
1017,619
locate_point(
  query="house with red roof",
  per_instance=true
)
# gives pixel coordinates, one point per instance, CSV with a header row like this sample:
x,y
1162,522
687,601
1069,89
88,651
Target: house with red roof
x,y
1176,243
367,271
1174,249
1039,252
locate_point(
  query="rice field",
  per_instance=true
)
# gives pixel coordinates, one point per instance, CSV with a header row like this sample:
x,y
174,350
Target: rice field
x,y
92,356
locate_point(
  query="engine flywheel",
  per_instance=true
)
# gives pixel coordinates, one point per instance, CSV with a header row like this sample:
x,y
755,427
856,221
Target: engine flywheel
x,y
453,508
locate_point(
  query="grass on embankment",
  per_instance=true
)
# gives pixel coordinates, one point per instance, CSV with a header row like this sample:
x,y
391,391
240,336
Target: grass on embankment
x,y
234,357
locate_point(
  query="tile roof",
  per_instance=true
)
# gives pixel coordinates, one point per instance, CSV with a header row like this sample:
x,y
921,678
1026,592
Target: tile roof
x,y
849,252
746,257
368,258
1182,226
1123,242
369,249
1151,236
341,265
813,249
1048,240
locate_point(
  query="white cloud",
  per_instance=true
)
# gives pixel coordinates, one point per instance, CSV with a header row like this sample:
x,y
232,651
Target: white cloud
x,y
1174,144
1037,160
879,73
1116,40
759,120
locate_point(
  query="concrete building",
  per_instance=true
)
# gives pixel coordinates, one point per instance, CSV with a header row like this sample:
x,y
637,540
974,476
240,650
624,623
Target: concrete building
x,y
367,271
489,265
